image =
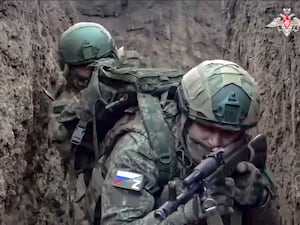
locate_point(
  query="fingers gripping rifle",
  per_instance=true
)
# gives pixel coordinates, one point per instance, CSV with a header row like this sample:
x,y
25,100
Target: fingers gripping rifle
x,y
220,164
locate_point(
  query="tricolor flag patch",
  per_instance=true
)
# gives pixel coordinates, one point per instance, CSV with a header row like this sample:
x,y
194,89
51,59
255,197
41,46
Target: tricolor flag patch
x,y
128,180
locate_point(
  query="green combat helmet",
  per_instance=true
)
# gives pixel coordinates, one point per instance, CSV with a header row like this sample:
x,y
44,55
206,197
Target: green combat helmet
x,y
222,93
85,42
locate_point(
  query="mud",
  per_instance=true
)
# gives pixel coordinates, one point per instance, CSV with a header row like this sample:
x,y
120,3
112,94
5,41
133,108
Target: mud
x,y
161,33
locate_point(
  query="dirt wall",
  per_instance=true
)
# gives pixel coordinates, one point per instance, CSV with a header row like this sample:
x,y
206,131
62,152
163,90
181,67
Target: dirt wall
x,y
31,179
163,33
274,61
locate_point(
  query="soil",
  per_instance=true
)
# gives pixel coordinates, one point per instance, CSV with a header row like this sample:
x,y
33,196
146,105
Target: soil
x,y
157,33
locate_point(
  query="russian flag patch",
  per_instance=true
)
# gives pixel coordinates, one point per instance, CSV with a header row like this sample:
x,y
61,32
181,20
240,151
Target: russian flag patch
x,y
128,180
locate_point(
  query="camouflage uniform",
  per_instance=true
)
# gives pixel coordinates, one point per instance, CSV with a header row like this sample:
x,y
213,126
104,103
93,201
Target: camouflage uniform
x,y
80,45
132,151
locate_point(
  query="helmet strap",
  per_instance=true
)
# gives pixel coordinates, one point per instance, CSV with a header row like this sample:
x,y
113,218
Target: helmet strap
x,y
65,71
182,154
183,125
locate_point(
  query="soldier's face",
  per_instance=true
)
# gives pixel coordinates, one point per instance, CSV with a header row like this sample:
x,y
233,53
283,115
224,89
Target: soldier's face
x,y
81,76
201,139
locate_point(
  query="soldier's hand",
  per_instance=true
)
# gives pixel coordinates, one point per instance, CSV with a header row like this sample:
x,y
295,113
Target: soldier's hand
x,y
249,185
219,197
164,196
193,209
223,193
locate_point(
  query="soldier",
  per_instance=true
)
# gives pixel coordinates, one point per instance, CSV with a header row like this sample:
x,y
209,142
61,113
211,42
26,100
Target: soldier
x,y
215,105
82,48
79,47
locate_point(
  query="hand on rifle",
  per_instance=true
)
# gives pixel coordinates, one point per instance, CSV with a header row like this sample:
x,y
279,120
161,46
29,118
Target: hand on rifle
x,y
250,185
221,195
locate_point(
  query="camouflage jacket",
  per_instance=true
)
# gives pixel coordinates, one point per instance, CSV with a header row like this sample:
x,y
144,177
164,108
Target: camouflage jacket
x,y
132,152
128,142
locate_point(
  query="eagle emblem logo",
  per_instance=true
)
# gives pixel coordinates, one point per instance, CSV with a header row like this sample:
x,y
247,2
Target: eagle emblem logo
x,y
286,22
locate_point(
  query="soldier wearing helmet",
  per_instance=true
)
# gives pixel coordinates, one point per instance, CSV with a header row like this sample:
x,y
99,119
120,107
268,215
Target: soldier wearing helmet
x,y
218,98
80,46
216,103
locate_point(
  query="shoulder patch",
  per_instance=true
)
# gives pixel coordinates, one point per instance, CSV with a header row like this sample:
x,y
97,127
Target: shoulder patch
x,y
128,180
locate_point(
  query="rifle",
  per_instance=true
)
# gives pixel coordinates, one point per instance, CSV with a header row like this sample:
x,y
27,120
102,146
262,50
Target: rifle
x,y
220,164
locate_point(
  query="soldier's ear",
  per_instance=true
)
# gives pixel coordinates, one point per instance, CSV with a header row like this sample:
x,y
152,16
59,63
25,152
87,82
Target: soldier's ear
x,y
121,52
66,70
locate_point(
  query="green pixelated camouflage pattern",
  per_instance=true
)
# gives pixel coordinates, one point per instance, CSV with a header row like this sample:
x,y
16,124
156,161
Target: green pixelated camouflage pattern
x,y
59,112
158,132
131,150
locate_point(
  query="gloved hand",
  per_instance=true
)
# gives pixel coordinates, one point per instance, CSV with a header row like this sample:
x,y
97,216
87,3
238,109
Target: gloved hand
x,y
223,193
220,195
193,209
250,188
164,196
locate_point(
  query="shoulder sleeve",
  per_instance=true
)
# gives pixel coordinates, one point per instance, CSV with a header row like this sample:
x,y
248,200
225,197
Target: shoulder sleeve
x,y
56,130
125,206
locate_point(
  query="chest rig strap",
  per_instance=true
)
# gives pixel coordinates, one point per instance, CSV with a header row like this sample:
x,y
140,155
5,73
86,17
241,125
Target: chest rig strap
x,y
161,139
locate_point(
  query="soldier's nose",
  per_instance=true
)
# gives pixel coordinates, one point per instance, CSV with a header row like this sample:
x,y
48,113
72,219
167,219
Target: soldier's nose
x,y
215,140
